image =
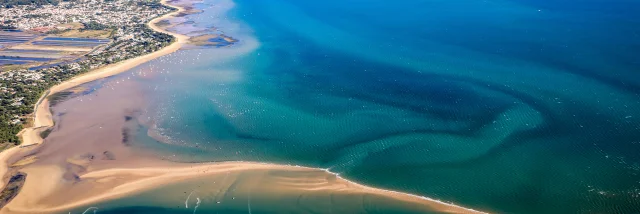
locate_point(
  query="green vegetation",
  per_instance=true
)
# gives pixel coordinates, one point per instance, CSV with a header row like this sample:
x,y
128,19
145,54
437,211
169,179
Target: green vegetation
x,y
54,99
44,134
12,3
8,132
58,31
20,88
31,93
92,25
151,4
6,27
30,90
12,188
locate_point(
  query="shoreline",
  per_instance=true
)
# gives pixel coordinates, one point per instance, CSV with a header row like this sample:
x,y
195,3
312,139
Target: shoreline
x,y
140,179
43,183
42,118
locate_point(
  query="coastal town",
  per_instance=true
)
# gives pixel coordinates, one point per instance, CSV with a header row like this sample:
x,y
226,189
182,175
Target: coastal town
x,y
45,42
108,13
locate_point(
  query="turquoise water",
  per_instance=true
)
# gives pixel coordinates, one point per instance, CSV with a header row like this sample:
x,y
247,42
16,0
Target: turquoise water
x,y
506,106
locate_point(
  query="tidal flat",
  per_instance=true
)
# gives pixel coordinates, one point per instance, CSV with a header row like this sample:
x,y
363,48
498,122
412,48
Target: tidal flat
x,y
506,107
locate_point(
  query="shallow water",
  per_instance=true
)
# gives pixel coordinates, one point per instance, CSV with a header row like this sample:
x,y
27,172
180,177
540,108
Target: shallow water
x,y
506,106
291,190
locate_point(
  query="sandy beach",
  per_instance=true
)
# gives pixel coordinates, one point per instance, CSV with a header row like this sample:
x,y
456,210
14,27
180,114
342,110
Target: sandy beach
x,y
276,183
64,171
42,115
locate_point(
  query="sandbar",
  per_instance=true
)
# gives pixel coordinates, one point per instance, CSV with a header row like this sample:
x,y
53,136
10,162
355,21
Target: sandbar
x,y
76,183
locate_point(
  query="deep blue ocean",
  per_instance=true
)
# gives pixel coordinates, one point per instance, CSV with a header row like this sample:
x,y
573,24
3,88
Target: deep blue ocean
x,y
509,106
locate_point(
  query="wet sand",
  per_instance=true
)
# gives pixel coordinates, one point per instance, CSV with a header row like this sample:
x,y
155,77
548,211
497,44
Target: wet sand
x,y
86,151
42,115
285,188
85,161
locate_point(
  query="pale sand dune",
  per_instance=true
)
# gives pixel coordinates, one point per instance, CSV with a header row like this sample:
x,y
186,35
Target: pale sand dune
x,y
46,192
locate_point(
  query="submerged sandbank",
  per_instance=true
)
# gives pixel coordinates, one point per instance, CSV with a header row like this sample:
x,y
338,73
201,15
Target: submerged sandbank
x,y
286,188
68,175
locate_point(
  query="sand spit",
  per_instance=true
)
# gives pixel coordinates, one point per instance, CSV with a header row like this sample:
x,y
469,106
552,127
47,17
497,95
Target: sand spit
x,y
65,176
291,188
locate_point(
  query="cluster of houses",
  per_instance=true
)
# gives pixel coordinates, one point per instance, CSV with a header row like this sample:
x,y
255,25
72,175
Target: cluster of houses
x,y
43,18
130,38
